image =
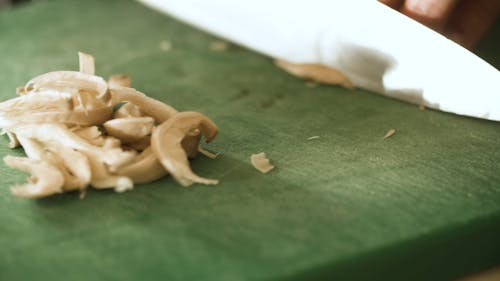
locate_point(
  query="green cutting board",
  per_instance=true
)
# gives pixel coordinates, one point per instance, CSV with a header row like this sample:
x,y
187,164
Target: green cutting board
x,y
349,205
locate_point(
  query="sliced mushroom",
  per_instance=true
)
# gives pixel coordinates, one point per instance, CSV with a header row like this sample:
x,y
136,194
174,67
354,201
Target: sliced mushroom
x,y
166,143
45,178
59,134
103,179
140,145
49,106
316,72
261,163
74,162
144,169
87,64
129,130
91,134
128,110
119,80
73,165
13,141
154,108
207,153
86,101
69,81
191,142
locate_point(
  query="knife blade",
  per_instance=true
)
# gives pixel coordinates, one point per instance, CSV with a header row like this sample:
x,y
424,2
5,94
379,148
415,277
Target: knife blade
x,y
377,48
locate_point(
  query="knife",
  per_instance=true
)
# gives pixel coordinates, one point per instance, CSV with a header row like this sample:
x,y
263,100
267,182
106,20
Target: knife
x,y
375,47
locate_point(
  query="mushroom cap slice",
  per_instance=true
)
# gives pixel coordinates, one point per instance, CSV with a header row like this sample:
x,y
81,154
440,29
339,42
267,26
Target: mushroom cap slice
x,y
69,80
166,142
130,129
50,106
154,108
46,179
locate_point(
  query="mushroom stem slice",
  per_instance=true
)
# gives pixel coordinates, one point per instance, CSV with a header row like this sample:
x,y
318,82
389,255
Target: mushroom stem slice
x,y
87,64
154,108
166,143
144,169
45,180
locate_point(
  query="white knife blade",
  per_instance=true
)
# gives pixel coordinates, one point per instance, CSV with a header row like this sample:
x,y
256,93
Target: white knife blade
x,y
377,48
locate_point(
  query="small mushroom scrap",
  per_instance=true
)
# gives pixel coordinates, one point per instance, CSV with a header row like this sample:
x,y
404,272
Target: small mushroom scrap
x,y
77,130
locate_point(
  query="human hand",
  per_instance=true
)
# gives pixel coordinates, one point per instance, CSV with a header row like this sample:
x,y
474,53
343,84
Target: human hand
x,y
463,21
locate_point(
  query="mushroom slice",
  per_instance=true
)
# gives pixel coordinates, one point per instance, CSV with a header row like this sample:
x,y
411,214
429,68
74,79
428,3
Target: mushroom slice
x,y
191,142
78,166
154,108
13,141
316,72
49,106
130,129
73,165
144,169
166,143
140,145
87,64
128,110
119,80
101,177
91,134
45,179
86,101
207,153
59,134
261,163
69,81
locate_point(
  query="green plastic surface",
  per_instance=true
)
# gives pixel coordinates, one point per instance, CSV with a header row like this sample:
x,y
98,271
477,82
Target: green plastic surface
x,y
421,205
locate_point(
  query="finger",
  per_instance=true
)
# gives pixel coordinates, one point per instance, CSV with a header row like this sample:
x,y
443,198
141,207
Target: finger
x,y
395,4
433,13
471,20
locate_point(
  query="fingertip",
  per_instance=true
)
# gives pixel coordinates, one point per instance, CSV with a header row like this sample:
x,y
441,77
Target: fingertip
x,y
395,4
432,13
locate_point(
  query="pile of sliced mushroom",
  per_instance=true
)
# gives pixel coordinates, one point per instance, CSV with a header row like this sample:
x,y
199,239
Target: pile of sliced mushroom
x,y
74,136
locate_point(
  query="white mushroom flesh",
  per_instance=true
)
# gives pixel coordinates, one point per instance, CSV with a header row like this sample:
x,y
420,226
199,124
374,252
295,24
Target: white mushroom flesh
x,y
131,129
261,163
45,179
